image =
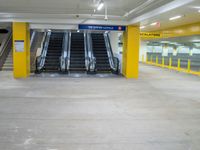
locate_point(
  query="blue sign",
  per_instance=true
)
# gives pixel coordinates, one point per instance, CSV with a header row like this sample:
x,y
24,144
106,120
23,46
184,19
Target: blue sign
x,y
101,27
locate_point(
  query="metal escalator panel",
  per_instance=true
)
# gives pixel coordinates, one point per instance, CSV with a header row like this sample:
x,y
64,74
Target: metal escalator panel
x,y
77,53
100,53
52,61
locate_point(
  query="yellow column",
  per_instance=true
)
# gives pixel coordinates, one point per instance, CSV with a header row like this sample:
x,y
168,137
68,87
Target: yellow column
x,y
21,50
131,52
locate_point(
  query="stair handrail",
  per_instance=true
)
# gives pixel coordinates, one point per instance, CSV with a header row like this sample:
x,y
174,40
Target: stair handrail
x,y
3,48
40,60
114,61
92,59
68,52
64,55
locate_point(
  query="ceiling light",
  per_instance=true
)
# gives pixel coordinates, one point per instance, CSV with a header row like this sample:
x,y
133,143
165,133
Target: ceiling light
x,y
100,6
142,27
176,17
155,23
196,41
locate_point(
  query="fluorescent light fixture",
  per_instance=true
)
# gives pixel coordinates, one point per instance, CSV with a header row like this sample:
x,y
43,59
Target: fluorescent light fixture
x,y
100,6
176,17
164,42
49,30
155,23
196,41
142,27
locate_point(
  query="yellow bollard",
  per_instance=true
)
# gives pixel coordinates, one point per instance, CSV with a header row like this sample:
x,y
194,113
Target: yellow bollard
x,y
163,62
189,65
143,58
179,64
170,63
156,60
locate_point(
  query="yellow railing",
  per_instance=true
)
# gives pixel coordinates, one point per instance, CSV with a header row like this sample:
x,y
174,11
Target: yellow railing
x,y
177,68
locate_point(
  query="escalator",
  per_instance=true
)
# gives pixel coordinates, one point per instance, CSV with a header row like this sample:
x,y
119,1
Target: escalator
x,y
6,59
52,61
100,53
77,53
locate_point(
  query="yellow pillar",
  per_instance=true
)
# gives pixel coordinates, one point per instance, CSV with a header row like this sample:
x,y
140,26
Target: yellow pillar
x,y
131,52
21,50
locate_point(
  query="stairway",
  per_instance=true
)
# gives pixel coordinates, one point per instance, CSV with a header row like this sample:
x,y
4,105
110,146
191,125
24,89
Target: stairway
x,y
52,61
8,65
100,53
77,53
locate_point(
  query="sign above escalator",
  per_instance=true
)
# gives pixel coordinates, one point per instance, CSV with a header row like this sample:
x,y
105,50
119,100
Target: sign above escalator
x,y
101,27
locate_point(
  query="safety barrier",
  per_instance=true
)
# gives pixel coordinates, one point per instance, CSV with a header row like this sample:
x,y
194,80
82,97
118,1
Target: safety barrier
x,y
190,66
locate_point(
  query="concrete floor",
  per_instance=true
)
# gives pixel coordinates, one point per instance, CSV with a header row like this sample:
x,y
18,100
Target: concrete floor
x,y
160,111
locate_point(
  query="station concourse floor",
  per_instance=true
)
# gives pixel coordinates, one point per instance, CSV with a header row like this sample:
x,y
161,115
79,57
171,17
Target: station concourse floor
x,y
160,111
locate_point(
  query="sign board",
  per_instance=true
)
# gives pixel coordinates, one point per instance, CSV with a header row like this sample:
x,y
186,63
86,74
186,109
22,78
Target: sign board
x,y
19,46
101,27
150,35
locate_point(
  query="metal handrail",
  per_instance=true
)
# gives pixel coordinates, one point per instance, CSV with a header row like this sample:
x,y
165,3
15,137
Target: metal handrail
x,y
92,59
68,52
64,52
40,60
5,43
87,59
32,38
114,61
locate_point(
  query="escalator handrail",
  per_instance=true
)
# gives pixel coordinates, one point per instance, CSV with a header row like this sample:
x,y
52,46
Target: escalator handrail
x,y
92,61
63,57
40,60
114,61
86,49
68,52
5,44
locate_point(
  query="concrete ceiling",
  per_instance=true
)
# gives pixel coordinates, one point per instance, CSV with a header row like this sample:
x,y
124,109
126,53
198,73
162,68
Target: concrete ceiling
x,y
120,12
189,12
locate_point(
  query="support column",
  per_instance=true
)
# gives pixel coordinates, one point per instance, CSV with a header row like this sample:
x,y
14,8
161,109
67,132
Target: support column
x,y
21,50
131,52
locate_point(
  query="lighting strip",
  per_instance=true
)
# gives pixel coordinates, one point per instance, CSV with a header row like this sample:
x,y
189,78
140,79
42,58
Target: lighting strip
x,y
176,17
